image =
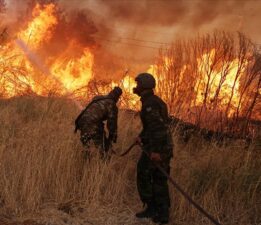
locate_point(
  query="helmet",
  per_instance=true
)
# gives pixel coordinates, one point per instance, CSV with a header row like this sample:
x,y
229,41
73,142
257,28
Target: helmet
x,y
145,81
115,93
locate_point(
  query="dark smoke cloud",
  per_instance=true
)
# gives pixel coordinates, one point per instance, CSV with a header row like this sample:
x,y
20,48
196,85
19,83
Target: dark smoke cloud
x,y
133,29
166,20
2,6
167,13
163,16
189,15
147,12
73,25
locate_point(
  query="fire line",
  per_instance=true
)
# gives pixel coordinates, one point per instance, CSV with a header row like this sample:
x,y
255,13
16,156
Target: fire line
x,y
35,60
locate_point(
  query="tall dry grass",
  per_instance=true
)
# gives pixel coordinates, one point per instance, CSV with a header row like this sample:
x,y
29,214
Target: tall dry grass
x,y
44,176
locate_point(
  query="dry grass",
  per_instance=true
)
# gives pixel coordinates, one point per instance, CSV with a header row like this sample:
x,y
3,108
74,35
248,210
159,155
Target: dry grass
x,y
45,178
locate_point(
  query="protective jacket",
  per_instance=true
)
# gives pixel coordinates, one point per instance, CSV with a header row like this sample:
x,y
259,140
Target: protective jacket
x,y
91,120
155,135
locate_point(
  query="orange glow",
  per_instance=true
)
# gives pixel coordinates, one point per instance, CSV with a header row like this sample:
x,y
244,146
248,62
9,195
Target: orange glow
x,y
127,83
74,73
39,30
189,87
20,77
210,84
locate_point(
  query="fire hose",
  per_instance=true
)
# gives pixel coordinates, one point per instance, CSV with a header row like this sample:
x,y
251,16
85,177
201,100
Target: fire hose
x,y
175,184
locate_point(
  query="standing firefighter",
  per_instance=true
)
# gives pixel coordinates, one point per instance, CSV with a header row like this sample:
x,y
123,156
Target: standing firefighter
x,y
155,139
91,121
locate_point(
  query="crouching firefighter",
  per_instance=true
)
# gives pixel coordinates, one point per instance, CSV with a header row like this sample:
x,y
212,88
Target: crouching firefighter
x,y
157,146
91,121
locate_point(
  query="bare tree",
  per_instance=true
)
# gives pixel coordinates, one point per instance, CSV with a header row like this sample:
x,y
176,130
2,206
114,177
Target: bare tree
x,y
212,81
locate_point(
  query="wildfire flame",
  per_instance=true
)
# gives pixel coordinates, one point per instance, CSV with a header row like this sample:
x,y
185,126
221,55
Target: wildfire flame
x,y
211,82
74,73
20,76
39,30
214,81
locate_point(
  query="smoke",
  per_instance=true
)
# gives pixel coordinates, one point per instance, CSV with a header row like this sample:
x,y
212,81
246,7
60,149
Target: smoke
x,y
75,29
185,16
148,23
72,26
133,30
161,16
2,6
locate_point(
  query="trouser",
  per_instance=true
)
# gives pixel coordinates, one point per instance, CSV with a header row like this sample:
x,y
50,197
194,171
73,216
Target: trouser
x,y
96,138
99,139
152,184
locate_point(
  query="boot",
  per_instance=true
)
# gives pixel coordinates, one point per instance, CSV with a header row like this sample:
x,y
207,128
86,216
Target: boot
x,y
148,212
162,217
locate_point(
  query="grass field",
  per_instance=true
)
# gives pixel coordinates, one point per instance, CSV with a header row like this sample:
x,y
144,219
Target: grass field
x,y
45,179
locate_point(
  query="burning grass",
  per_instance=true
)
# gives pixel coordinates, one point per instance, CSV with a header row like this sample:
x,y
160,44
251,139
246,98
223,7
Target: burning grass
x,y
45,178
212,80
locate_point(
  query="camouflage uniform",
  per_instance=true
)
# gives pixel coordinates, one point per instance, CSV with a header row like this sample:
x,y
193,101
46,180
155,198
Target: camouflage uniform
x,y
155,136
91,122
